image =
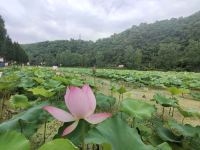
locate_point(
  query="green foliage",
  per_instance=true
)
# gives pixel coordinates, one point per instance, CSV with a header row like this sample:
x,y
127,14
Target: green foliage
x,y
11,140
41,91
76,82
113,133
62,144
117,133
175,91
25,122
167,135
196,95
137,109
185,130
164,146
8,83
19,101
63,80
180,80
164,101
189,112
104,102
121,90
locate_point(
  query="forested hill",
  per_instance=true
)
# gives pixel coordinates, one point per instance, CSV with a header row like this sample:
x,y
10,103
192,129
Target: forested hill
x,y
10,51
169,45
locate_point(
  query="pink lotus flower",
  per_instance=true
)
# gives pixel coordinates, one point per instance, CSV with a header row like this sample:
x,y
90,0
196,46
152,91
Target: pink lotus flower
x,y
81,103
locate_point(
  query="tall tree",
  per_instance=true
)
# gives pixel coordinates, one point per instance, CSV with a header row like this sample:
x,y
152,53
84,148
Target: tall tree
x,y
9,50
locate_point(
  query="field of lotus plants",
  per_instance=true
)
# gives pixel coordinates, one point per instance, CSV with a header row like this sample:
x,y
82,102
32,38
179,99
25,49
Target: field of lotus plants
x,y
98,109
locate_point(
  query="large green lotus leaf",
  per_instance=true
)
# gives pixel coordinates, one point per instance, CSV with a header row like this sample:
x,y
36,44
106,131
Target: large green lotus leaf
x,y
184,91
121,90
104,102
9,82
106,146
26,82
19,101
41,91
76,82
40,73
164,146
29,120
38,80
6,85
185,130
61,144
165,101
145,131
167,135
116,132
174,90
12,140
191,143
52,84
189,112
90,82
64,80
113,89
137,108
196,96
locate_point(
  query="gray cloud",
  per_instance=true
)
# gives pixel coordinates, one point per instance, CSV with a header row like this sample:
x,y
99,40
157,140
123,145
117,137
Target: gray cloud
x,y
38,20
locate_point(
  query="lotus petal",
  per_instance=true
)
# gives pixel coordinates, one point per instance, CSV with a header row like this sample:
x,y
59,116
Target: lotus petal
x,y
91,98
59,114
97,118
70,128
77,103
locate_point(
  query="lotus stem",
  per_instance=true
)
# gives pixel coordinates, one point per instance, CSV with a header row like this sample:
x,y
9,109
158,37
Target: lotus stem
x,y
94,80
2,105
93,146
2,108
172,111
169,110
83,146
163,111
21,126
98,147
45,127
133,122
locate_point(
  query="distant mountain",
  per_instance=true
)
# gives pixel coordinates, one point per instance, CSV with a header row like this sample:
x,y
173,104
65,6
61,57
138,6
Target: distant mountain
x,y
168,44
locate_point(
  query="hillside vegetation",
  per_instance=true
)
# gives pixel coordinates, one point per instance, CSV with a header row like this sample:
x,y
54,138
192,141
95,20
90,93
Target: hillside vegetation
x,y
168,45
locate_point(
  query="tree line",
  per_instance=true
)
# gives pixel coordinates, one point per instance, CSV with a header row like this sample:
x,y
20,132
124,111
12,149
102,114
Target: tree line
x,y
172,44
10,51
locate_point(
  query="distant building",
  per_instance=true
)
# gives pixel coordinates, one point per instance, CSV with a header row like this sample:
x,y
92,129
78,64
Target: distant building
x,y
2,64
1,59
120,66
55,67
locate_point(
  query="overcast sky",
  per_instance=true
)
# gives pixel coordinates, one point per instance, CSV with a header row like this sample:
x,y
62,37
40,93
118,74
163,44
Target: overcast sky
x,y
30,21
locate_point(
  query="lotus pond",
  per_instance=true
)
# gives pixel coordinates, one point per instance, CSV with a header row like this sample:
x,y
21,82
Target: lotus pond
x,y
105,109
